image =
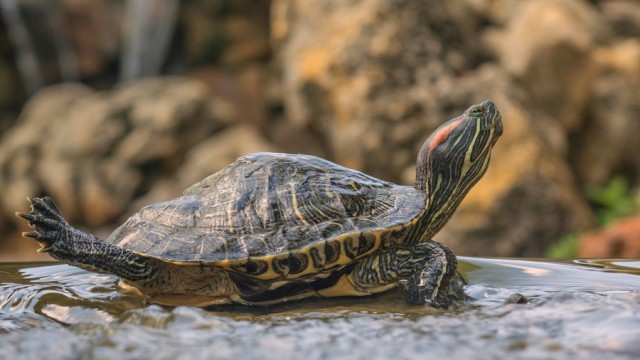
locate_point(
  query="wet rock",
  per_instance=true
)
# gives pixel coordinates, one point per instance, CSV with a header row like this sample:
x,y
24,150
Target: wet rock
x,y
620,239
95,151
517,298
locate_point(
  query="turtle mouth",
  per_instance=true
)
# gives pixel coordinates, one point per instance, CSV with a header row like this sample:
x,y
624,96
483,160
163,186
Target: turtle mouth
x,y
492,112
497,125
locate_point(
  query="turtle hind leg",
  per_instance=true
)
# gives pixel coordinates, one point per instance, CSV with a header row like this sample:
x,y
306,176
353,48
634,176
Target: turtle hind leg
x,y
63,242
50,226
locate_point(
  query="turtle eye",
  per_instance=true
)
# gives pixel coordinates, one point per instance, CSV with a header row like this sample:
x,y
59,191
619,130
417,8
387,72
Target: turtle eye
x,y
476,112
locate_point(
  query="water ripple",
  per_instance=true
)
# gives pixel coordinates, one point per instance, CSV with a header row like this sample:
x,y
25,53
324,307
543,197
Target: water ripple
x,y
577,309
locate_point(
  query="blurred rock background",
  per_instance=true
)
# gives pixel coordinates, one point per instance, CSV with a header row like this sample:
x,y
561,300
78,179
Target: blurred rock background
x,y
110,105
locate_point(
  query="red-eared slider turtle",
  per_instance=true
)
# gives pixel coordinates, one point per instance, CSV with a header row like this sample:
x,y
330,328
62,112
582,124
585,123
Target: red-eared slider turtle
x,y
278,227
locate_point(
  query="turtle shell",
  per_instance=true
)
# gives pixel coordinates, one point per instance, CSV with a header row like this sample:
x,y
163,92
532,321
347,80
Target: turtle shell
x,y
274,216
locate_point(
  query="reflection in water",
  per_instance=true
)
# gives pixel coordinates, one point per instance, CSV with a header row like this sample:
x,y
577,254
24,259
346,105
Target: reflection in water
x,y
585,309
530,270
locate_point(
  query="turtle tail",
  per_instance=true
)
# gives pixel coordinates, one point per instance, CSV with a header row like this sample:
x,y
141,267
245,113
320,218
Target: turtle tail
x,y
48,223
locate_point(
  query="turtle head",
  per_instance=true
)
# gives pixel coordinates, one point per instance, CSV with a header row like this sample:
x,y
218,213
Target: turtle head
x,y
454,158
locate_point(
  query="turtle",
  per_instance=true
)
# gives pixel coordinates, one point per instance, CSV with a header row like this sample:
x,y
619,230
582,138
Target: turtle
x,y
273,227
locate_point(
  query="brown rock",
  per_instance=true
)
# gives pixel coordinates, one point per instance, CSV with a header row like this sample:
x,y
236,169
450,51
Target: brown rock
x,y
20,148
219,151
608,143
371,79
90,31
88,119
58,178
528,198
51,104
546,46
623,16
94,151
366,73
106,189
228,32
205,159
239,87
165,117
621,239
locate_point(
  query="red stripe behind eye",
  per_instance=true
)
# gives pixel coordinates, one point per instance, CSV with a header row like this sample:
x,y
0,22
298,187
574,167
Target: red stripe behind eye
x,y
443,133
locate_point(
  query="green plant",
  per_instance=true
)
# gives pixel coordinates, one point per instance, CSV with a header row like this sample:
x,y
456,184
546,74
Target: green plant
x,y
610,202
613,201
564,248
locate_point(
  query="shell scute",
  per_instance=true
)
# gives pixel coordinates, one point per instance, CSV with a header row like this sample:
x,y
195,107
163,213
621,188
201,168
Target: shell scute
x,y
274,216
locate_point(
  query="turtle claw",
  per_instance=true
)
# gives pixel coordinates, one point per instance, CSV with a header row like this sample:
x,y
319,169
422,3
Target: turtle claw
x,y
40,238
30,218
43,209
44,214
32,234
47,221
44,249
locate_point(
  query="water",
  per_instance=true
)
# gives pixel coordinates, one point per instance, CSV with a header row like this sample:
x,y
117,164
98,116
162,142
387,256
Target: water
x,y
578,309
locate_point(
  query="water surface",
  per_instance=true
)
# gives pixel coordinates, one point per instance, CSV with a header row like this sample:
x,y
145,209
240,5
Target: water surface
x,y
574,309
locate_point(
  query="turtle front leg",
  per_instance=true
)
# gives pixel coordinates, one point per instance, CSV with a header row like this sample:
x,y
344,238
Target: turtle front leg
x,y
63,242
427,274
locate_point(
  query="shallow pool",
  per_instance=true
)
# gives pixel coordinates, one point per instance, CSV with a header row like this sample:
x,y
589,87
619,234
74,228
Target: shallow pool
x,y
575,309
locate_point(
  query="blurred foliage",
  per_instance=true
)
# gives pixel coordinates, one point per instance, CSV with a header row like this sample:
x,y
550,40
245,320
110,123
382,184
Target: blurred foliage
x,y
613,201
610,202
565,248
